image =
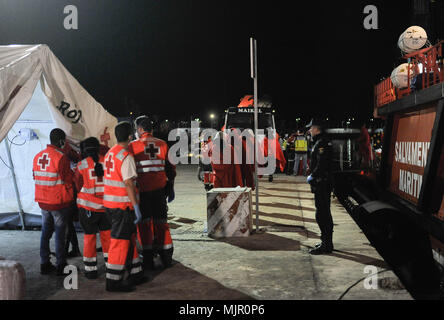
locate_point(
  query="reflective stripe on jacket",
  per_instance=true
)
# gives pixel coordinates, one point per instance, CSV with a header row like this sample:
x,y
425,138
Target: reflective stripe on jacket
x,y
115,195
150,155
49,186
90,197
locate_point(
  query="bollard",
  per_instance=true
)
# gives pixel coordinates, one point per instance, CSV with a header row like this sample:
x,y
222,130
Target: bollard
x,y
12,280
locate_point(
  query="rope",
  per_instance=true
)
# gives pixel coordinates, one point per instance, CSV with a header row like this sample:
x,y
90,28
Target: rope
x,y
357,282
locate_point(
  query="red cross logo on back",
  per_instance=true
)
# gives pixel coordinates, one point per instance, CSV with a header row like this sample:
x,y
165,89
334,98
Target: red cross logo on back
x,y
152,151
92,175
105,137
44,161
109,164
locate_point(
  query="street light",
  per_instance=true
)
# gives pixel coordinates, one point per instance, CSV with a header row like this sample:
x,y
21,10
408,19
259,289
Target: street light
x,y
212,116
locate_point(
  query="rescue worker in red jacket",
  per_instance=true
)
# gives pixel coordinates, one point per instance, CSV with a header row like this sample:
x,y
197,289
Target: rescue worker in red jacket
x,y
156,182
55,196
226,173
273,151
88,178
365,149
120,199
247,160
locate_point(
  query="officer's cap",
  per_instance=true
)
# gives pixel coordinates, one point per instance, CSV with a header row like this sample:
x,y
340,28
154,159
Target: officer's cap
x,y
315,122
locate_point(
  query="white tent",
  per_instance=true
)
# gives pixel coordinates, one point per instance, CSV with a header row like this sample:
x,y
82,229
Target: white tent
x,y
37,93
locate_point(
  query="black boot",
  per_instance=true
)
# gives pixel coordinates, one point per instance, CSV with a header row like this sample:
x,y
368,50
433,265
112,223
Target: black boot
x,y
148,260
317,245
166,256
91,275
324,247
61,269
47,268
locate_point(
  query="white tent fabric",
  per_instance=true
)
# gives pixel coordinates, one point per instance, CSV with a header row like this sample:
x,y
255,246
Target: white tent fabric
x,y
37,117
38,93
72,108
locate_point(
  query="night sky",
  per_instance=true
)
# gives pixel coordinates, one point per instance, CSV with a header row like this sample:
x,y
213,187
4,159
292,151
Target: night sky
x,y
188,58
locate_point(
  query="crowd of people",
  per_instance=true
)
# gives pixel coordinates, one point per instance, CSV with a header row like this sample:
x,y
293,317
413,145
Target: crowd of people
x,y
120,193
296,147
228,159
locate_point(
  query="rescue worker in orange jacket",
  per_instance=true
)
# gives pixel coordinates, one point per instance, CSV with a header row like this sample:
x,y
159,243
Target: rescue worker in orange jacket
x,y
273,151
226,173
120,199
247,164
55,196
89,183
156,181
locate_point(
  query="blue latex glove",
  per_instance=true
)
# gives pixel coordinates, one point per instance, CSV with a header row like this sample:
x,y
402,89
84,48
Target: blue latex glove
x,y
169,191
138,214
309,178
171,196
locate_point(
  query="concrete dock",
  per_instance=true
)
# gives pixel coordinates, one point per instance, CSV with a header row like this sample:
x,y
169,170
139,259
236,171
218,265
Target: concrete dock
x,y
272,264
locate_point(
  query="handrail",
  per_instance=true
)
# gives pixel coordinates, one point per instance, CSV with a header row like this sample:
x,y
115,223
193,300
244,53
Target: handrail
x,y
432,62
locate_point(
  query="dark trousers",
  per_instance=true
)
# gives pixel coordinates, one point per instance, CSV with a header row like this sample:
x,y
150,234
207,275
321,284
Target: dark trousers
x,y
71,233
54,221
71,237
290,162
322,195
154,232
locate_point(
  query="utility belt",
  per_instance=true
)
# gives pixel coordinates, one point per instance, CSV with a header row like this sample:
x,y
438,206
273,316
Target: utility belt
x,y
325,182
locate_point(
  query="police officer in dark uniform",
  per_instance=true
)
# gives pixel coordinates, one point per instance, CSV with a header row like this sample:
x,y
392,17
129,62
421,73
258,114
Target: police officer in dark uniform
x,y
321,184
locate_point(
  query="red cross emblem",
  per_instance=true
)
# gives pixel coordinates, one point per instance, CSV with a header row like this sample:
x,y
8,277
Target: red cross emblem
x,y
151,150
109,164
105,137
92,175
44,161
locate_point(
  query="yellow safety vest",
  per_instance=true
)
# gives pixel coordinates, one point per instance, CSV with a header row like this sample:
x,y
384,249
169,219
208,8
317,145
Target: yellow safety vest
x,y
301,145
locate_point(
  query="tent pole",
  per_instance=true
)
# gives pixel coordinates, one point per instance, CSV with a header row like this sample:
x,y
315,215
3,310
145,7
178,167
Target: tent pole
x,y
17,195
253,60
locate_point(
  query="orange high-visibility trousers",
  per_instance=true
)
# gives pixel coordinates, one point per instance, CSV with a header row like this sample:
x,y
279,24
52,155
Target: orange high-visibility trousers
x,y
122,253
93,222
90,250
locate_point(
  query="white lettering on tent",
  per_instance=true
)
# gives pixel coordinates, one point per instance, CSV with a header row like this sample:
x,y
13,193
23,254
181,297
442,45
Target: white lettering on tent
x,y
71,21
74,115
